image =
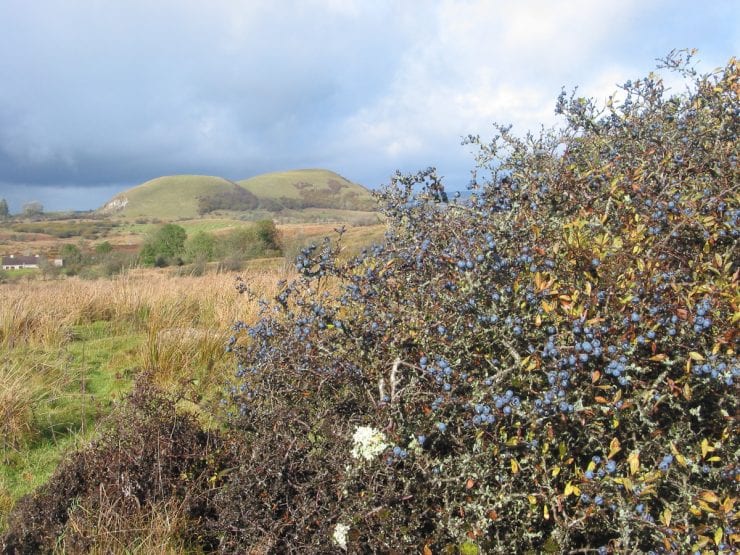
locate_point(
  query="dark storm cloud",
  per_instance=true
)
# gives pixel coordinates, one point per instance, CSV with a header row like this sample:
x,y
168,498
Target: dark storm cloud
x,y
97,96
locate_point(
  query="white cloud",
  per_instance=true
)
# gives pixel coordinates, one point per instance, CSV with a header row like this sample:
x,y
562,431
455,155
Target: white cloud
x,y
120,90
479,62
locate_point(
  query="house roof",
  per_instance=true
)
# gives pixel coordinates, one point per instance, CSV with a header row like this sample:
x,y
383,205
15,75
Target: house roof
x,y
16,260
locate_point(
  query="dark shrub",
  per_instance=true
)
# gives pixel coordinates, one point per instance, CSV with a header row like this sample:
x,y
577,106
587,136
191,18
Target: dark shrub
x,y
150,455
235,198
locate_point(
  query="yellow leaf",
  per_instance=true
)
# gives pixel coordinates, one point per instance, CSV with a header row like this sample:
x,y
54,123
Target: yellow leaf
x,y
545,512
718,535
532,499
627,483
659,358
709,496
705,448
514,466
634,461
702,541
715,458
666,516
570,489
728,504
614,448
427,550
696,356
555,471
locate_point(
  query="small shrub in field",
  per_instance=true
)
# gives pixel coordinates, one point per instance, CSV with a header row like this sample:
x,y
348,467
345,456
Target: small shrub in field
x,y
164,247
146,481
551,365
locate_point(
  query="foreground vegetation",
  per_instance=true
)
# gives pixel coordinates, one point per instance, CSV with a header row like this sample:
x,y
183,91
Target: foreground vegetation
x,y
71,349
548,367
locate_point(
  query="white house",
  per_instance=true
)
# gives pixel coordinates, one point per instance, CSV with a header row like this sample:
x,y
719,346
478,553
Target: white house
x,y
17,262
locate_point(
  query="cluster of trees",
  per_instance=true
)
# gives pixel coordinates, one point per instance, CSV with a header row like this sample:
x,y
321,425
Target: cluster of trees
x,y
102,260
309,197
236,198
170,245
65,229
30,209
325,199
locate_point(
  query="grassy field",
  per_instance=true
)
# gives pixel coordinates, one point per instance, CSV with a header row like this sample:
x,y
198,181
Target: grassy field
x,y
70,349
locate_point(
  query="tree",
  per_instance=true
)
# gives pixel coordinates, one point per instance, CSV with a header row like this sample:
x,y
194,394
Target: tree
x,y
268,234
74,259
33,208
200,247
4,210
103,248
164,247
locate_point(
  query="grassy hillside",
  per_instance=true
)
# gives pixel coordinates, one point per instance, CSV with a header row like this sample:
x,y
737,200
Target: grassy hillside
x,y
167,198
279,195
314,187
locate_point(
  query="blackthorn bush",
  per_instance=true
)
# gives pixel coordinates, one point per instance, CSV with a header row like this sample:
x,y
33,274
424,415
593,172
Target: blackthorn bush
x,y
548,365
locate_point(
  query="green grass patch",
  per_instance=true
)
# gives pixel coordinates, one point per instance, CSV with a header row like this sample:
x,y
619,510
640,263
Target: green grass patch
x,y
69,390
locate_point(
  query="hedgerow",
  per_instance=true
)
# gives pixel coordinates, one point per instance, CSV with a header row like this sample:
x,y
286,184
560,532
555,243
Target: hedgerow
x,y
547,366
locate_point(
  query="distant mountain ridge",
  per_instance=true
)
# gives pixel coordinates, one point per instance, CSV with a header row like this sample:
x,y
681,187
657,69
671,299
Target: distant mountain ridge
x,y
193,196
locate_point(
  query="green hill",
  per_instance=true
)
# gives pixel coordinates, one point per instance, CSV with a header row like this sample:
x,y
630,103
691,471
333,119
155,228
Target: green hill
x,y
288,193
312,188
169,197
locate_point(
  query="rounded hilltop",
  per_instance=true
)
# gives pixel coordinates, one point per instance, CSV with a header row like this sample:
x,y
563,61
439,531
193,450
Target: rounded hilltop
x,y
193,196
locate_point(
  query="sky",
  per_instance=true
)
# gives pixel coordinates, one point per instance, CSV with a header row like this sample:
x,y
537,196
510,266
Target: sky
x,y
97,96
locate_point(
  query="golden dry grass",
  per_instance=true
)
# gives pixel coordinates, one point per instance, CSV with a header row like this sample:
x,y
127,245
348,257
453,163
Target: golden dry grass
x,y
152,530
42,313
180,325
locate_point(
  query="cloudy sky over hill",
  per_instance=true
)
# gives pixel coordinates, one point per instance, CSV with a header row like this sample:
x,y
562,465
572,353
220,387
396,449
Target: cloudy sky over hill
x,y
97,96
